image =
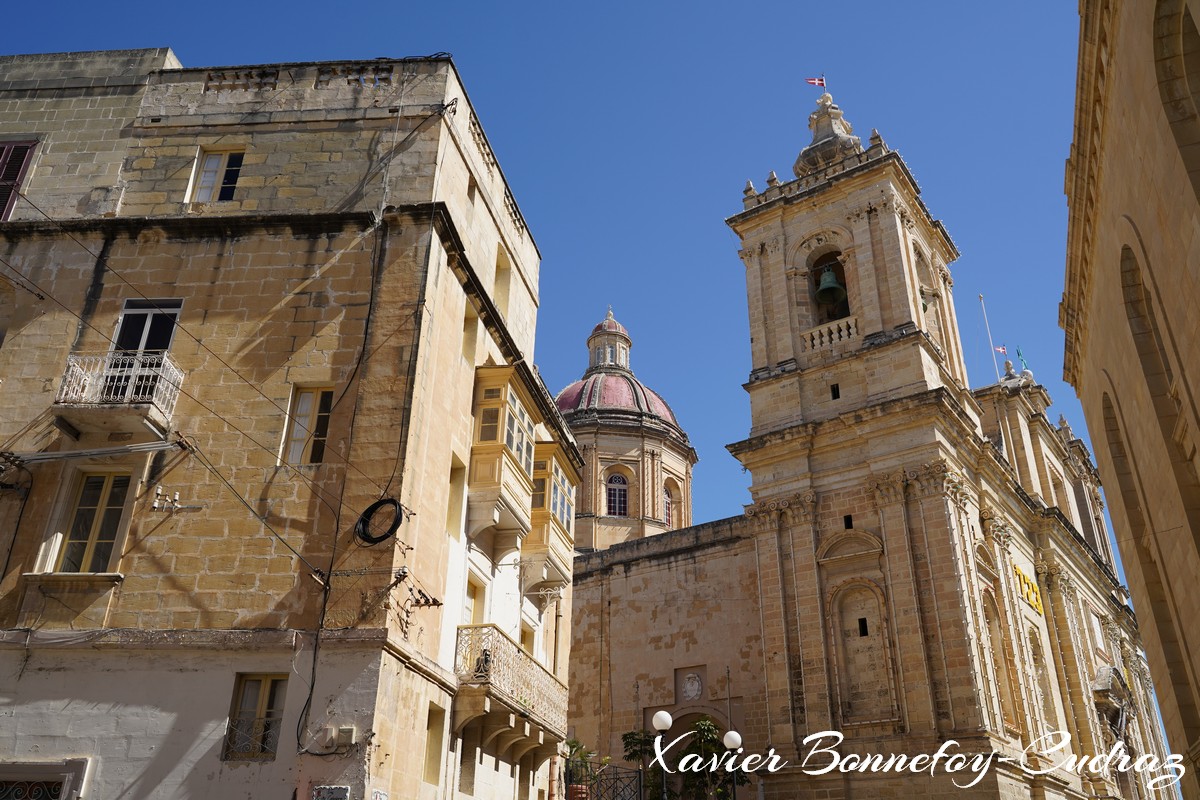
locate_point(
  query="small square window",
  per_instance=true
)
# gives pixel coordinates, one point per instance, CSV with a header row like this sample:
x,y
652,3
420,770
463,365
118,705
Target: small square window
x,y
862,626
217,176
95,521
255,718
308,426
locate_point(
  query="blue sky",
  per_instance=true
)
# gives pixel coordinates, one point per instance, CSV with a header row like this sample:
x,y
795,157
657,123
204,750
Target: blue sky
x,y
627,132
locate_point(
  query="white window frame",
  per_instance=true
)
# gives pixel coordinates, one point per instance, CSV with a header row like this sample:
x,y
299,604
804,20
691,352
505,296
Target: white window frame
x,y
309,427
202,190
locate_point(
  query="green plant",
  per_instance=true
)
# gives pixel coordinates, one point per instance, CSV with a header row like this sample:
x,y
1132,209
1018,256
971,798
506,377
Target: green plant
x,y
639,749
580,767
705,742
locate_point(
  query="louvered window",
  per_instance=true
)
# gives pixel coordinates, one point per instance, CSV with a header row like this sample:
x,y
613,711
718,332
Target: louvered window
x,y
14,162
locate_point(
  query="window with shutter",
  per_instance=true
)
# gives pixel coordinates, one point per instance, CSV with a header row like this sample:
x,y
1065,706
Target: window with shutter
x,y
14,161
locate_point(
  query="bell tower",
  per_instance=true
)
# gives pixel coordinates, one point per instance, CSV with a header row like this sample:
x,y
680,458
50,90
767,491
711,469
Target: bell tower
x,y
849,294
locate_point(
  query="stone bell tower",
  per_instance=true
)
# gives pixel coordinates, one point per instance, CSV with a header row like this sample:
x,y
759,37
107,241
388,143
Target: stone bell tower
x,y
901,534
858,405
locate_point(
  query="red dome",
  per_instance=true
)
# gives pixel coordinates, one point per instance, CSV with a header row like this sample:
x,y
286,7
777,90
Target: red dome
x,y
615,391
610,325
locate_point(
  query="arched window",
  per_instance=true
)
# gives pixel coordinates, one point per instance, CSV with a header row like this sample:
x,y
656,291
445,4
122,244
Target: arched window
x,y
830,304
618,496
1000,660
668,506
1041,674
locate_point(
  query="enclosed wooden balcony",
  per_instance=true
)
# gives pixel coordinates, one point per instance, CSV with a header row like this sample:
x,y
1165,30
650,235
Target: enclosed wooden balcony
x,y
119,391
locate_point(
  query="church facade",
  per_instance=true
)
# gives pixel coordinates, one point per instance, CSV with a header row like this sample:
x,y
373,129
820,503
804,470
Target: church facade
x,y
920,563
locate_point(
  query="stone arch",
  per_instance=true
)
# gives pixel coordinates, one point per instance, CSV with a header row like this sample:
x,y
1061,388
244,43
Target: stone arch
x,y
859,630
672,503
630,485
1045,694
849,543
1177,63
1163,611
1151,334
1001,659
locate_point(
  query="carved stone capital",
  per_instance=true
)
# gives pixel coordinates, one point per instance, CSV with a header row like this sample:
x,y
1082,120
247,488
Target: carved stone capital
x,y
887,488
772,246
799,505
747,256
935,478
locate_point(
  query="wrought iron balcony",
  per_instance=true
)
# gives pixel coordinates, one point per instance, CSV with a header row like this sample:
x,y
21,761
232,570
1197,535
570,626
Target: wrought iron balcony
x,y
136,389
252,738
486,657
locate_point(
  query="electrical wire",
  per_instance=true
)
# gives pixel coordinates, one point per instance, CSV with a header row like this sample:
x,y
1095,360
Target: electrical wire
x,y
205,462
179,326
274,453
450,107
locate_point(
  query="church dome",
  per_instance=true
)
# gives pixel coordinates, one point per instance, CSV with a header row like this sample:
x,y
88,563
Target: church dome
x,y
609,387
604,392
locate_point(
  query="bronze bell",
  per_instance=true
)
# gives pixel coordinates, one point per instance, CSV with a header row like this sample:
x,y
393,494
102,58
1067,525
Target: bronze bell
x,y
829,291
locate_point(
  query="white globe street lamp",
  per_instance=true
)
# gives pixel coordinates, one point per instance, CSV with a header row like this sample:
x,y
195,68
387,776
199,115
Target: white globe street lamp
x,y
662,723
732,741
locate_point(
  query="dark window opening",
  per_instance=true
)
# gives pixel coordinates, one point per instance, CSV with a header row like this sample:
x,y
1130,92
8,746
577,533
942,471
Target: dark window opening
x,y
835,391
848,521
14,161
862,626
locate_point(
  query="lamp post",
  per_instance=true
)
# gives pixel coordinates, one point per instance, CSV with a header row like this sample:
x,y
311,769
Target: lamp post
x,y
662,723
732,741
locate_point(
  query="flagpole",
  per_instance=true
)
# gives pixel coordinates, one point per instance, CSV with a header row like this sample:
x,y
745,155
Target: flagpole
x,y
991,344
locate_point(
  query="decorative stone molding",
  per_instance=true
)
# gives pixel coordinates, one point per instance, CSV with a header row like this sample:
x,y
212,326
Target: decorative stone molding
x,y
936,478
801,506
481,142
819,239
887,488
772,246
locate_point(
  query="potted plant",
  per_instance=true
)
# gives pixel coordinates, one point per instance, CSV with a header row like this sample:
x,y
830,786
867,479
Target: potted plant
x,y
581,770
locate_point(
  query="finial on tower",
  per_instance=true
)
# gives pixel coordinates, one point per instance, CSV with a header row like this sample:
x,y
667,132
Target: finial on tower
x,y
832,138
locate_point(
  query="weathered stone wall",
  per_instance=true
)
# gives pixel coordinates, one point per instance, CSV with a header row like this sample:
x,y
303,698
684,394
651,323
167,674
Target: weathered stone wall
x,y
1132,333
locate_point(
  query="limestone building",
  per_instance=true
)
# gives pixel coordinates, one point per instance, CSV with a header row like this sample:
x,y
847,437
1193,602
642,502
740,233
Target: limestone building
x,y
1129,312
919,562
285,512
637,475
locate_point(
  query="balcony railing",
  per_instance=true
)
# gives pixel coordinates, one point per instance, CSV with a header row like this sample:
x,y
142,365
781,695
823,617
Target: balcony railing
x,y
252,738
121,378
487,657
829,334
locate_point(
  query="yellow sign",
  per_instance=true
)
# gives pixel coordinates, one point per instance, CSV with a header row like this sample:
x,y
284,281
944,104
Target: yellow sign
x,y
1029,590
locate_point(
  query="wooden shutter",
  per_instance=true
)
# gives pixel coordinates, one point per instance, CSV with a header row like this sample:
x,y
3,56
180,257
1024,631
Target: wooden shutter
x,y
14,158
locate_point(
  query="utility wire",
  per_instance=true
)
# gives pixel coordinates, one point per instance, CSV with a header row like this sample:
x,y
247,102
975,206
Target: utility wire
x,y
205,462
179,326
298,473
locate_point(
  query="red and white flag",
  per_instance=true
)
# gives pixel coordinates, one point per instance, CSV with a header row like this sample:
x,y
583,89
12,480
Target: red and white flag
x,y
815,81
1002,350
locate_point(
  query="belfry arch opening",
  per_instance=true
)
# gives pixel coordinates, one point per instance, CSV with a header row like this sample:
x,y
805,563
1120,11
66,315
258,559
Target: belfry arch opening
x,y
826,277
